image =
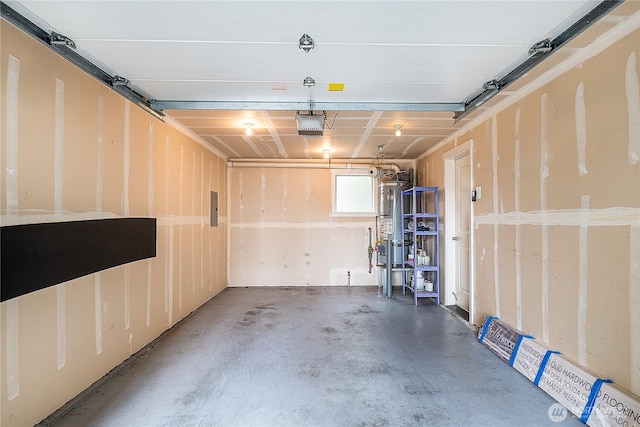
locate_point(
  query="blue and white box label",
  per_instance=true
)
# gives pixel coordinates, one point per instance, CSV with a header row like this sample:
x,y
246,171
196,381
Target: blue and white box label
x,y
615,406
569,384
529,358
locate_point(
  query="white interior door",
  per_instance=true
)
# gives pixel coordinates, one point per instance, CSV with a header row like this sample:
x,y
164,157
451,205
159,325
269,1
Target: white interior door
x,y
461,238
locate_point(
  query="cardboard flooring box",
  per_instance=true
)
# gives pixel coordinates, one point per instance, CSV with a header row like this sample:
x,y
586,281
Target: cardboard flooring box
x,y
528,358
615,406
567,383
499,337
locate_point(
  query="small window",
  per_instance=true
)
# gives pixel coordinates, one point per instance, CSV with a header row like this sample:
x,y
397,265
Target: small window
x,y
353,194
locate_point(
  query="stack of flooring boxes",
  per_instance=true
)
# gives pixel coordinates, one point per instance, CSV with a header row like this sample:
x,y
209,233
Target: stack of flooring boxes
x,y
596,401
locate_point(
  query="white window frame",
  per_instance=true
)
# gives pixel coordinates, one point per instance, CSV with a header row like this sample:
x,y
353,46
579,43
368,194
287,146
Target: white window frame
x,y
334,193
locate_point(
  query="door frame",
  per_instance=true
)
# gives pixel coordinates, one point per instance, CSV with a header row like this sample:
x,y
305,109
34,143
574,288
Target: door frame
x,y
450,271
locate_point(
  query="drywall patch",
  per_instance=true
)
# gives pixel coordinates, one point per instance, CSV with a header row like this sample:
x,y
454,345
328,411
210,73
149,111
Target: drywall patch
x,y
166,230
496,265
150,213
58,154
149,276
608,217
252,145
12,350
150,171
240,192
263,195
518,265
307,250
219,140
193,231
180,213
409,147
210,262
61,330
201,220
581,130
371,124
544,173
100,155
126,157
583,256
274,134
170,284
303,225
633,107
127,298
97,307
36,216
634,304
11,154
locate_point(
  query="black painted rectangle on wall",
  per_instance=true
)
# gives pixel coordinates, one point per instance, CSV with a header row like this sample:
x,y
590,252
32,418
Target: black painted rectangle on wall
x,y
35,256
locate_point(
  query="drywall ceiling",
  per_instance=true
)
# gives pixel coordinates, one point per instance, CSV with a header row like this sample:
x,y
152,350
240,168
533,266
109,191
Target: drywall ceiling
x,y
238,54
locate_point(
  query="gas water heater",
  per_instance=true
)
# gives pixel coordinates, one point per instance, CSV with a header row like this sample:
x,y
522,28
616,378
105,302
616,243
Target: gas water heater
x,y
390,223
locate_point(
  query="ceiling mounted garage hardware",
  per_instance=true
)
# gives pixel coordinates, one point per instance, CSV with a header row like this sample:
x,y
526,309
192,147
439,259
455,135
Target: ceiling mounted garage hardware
x,y
58,39
538,53
492,85
59,44
157,104
543,46
311,124
308,82
306,43
120,81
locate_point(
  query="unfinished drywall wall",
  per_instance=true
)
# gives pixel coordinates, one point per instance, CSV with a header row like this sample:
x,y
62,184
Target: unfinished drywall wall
x,y
73,149
556,230
282,231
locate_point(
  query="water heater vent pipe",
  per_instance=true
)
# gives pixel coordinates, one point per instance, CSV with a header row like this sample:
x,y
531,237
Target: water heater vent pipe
x,y
378,172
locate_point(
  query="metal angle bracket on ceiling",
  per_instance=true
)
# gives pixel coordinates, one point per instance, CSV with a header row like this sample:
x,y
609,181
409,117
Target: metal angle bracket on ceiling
x,y
59,39
306,105
64,46
538,53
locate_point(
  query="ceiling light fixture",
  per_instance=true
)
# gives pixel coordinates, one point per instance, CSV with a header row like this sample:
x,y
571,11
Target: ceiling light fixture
x,y
398,131
326,152
249,129
308,82
306,43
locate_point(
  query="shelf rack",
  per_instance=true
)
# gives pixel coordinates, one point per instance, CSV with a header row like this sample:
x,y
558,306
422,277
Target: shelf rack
x,y
421,273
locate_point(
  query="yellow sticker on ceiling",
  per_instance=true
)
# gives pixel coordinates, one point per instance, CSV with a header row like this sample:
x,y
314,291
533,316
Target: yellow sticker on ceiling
x,y
336,87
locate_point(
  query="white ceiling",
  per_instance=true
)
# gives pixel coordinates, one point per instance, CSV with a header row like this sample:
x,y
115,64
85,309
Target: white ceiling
x,y
383,51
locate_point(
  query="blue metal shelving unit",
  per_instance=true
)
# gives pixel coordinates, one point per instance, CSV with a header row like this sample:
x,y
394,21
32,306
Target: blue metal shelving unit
x,y
420,227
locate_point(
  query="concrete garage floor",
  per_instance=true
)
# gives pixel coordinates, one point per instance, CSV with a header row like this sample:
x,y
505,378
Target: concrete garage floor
x,y
316,357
